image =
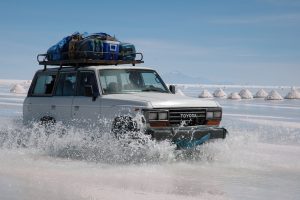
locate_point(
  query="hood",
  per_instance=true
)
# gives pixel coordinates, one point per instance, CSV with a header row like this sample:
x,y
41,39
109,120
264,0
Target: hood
x,y
164,100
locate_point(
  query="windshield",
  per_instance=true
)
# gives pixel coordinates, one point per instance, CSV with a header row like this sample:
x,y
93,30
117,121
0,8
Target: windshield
x,y
116,81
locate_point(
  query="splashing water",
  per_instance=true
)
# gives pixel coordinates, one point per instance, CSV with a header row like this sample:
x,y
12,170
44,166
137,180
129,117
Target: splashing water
x,y
100,145
87,144
247,152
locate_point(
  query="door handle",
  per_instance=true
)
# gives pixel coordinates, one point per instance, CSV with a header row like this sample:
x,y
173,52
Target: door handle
x,y
29,107
76,108
53,107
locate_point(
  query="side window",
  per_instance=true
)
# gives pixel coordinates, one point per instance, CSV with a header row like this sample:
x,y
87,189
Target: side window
x,y
110,81
44,84
86,79
125,80
66,84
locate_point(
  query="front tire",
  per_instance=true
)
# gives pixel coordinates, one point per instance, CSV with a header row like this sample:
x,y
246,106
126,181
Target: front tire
x,y
123,125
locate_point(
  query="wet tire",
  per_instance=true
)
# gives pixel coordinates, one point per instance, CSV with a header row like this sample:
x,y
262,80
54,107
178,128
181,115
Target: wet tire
x,y
49,124
47,121
124,125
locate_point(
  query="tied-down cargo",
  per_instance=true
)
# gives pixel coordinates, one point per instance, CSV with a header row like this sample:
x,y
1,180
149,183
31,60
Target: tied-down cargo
x,y
96,46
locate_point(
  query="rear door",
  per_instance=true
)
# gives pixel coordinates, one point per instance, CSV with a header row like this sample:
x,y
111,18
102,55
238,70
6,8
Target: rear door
x,y
38,102
86,109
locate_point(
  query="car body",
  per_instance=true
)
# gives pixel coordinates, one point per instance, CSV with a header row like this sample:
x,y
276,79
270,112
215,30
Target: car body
x,y
130,98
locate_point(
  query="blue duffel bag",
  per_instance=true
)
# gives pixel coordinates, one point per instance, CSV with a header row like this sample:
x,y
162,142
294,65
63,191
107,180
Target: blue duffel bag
x,y
60,50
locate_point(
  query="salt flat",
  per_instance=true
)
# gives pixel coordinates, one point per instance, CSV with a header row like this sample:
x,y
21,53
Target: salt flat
x,y
258,160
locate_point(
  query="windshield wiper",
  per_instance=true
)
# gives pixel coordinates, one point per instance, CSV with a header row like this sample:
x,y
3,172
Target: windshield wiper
x,y
153,90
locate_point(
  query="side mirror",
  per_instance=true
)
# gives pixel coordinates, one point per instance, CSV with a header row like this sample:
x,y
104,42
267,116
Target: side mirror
x,y
172,88
88,90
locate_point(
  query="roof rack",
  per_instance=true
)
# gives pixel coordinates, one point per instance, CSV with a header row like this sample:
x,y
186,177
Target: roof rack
x,y
83,62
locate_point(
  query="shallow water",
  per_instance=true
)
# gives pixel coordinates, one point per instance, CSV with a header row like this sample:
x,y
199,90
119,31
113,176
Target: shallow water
x,y
260,159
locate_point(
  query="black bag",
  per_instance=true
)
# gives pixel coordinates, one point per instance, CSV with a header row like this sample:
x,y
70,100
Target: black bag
x,y
102,36
127,51
90,48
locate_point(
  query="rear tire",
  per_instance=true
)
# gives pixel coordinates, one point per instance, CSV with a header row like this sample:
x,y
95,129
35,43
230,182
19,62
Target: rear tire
x,y
47,121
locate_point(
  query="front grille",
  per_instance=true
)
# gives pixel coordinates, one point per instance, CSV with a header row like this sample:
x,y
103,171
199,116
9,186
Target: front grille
x,y
187,116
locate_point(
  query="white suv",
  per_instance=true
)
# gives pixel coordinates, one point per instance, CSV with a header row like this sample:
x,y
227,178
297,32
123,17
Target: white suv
x,y
124,96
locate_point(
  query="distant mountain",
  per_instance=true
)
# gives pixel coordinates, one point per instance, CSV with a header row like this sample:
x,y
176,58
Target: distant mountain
x,y
178,77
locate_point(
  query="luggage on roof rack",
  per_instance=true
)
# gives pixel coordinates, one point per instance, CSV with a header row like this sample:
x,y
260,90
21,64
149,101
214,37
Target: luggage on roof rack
x,y
90,49
91,46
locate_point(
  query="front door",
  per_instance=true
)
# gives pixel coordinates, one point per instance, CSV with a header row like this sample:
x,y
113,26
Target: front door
x,y
63,96
86,109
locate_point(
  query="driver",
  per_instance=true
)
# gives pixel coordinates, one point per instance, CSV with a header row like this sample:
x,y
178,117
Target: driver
x,y
135,79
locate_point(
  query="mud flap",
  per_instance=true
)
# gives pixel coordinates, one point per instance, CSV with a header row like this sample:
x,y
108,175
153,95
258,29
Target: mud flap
x,y
184,144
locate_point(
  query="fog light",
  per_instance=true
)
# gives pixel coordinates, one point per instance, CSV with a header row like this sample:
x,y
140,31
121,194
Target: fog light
x,y
163,116
209,115
153,116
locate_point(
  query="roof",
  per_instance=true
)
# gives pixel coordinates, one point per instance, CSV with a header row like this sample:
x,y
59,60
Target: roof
x,y
115,67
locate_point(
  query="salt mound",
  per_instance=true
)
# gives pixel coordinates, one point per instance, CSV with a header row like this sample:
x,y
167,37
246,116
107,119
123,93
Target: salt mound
x,y
234,96
18,89
274,95
293,94
261,94
179,92
205,94
219,93
246,94
28,82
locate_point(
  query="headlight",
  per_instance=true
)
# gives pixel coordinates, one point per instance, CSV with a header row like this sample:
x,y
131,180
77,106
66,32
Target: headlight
x,y
209,115
158,115
162,116
218,114
153,116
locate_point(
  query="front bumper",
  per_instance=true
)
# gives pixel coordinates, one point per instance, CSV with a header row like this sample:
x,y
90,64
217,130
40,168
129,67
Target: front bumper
x,y
188,136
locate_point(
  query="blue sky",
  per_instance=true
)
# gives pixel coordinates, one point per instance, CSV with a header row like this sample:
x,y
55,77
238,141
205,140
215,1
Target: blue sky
x,y
237,41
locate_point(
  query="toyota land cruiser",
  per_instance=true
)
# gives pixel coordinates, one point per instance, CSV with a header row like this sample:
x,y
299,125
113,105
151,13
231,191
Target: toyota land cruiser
x,y
118,93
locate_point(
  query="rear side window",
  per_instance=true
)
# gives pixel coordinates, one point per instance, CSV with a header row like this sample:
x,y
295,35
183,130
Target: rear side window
x,y
66,84
44,84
